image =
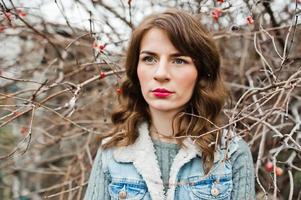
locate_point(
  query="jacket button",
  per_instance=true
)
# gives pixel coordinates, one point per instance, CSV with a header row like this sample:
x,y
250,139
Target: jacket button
x,y
122,194
214,192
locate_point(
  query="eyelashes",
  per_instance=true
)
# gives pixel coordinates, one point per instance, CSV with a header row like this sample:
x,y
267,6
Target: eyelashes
x,y
180,61
153,60
148,59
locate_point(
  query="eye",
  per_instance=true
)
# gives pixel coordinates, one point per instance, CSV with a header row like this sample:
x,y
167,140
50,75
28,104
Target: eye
x,y
149,59
179,61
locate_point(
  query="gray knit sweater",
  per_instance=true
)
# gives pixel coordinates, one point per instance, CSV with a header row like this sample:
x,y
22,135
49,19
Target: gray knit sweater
x,y
243,171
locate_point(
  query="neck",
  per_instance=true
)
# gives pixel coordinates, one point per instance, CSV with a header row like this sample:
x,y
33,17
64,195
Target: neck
x,y
162,127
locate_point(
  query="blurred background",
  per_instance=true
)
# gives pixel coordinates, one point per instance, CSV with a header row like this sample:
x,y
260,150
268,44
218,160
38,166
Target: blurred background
x,y
61,62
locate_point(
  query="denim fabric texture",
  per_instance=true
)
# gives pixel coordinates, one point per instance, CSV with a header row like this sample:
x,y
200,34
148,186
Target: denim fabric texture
x,y
133,173
134,189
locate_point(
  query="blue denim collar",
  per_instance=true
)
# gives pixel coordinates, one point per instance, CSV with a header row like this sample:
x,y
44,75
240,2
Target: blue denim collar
x,y
142,155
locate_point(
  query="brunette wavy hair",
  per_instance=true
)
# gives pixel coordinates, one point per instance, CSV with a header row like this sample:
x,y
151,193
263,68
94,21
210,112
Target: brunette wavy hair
x,y
202,111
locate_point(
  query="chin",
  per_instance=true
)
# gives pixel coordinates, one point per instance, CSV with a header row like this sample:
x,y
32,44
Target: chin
x,y
166,108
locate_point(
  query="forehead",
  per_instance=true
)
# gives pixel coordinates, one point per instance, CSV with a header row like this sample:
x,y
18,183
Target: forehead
x,y
157,40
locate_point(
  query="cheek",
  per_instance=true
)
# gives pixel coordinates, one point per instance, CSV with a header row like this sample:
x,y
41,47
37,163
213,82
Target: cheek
x,y
188,81
141,76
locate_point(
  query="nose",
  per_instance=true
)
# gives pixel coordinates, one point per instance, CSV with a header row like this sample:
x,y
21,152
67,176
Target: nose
x,y
161,74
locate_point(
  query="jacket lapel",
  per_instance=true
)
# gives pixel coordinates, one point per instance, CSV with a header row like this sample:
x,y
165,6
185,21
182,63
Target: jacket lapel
x,y
185,154
142,154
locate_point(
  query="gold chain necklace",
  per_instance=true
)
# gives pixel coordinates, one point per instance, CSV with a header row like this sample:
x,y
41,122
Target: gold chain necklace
x,y
153,129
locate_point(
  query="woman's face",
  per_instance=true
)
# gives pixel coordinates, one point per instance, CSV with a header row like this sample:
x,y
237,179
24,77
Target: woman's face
x,y
167,77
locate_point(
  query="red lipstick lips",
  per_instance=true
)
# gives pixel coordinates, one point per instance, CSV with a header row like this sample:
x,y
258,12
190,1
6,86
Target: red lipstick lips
x,y
161,93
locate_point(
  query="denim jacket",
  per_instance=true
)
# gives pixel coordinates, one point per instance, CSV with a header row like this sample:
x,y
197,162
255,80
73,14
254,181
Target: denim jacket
x,y
134,173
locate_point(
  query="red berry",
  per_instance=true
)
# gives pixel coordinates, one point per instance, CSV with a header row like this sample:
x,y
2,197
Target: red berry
x,y
119,90
250,20
220,1
101,47
21,13
269,167
102,75
216,13
97,45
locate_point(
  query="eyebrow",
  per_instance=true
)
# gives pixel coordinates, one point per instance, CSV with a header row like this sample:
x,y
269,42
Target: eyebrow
x,y
178,54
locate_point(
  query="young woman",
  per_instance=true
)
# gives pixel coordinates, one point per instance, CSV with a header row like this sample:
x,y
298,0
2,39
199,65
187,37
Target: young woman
x,y
166,143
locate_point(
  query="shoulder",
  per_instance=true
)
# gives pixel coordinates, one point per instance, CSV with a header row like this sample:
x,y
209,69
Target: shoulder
x,y
105,152
241,150
102,157
242,145
234,144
